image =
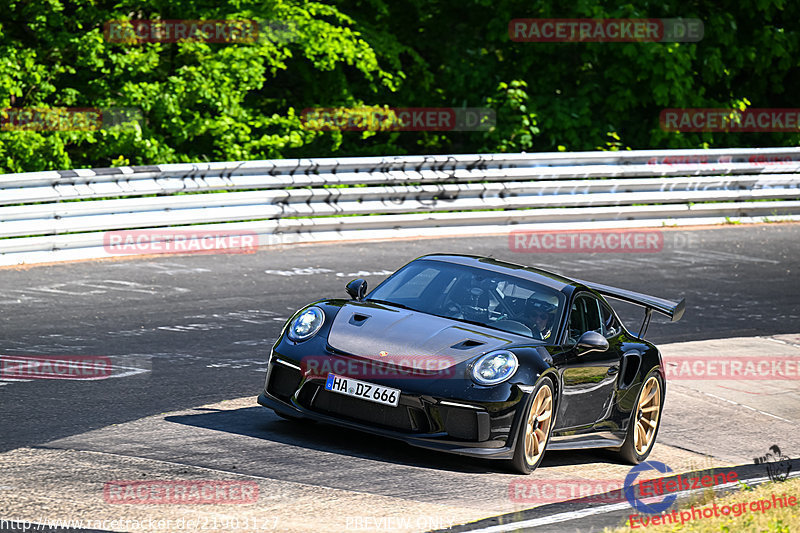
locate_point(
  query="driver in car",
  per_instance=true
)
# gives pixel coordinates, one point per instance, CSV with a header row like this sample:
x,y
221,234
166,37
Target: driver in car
x,y
541,319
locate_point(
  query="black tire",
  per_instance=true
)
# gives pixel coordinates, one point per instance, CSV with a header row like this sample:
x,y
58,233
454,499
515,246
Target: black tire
x,y
633,451
527,457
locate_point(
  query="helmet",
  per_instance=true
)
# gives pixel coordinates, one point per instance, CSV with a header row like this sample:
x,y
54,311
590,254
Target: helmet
x,y
535,306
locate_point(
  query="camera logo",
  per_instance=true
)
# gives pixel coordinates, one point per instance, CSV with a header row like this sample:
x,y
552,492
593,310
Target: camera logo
x,y
778,465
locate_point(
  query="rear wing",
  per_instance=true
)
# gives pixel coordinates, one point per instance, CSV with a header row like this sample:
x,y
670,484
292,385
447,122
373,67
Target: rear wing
x,y
673,310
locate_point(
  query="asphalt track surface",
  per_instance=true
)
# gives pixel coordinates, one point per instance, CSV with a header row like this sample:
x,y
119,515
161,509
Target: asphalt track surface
x,y
194,330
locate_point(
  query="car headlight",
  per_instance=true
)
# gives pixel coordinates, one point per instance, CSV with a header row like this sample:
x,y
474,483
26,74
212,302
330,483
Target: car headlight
x,y
494,367
306,324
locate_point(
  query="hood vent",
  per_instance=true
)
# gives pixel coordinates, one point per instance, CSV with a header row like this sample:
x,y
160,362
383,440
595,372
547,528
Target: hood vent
x,y
358,319
467,344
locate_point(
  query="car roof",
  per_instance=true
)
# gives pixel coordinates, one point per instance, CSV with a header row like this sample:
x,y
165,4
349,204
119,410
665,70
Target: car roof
x,y
537,275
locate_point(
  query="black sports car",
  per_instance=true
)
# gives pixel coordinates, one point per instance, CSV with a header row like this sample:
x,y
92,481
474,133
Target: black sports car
x,y
478,357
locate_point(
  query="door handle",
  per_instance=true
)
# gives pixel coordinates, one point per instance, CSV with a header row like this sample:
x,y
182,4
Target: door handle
x,y
613,370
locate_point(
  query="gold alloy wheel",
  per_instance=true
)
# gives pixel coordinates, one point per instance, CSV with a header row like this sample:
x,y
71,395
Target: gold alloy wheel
x,y
538,428
647,415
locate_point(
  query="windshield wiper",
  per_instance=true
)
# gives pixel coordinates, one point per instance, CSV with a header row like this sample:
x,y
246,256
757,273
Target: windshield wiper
x,y
476,323
386,302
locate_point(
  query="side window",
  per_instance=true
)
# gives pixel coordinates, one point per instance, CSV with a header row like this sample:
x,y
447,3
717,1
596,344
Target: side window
x,y
611,326
584,316
575,320
592,321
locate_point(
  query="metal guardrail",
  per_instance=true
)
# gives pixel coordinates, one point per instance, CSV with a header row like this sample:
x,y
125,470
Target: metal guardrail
x,y
287,201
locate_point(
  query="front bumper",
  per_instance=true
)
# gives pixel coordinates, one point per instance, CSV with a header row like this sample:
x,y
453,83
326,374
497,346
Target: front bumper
x,y
470,420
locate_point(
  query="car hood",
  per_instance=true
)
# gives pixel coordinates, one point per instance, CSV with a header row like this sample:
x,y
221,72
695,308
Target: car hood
x,y
402,337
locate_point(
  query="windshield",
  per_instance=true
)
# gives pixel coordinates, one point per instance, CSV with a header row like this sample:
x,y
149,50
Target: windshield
x,y
475,295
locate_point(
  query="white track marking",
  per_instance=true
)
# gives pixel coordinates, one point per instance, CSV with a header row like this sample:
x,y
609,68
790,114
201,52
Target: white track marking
x,y
363,273
212,322
84,288
296,271
169,269
127,286
732,402
256,342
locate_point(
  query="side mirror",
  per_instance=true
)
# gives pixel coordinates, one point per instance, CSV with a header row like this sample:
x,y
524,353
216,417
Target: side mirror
x,y
591,341
357,289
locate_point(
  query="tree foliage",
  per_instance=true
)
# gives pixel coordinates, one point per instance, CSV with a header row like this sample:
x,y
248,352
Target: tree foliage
x,y
203,101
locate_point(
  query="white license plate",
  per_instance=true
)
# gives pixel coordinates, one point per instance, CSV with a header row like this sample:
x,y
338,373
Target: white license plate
x,y
362,389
